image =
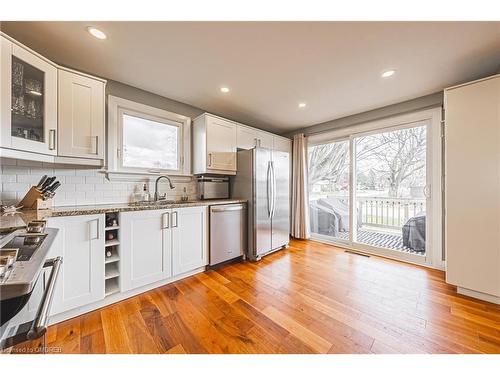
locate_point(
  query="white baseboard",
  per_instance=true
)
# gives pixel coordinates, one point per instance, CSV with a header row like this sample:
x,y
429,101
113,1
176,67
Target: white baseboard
x,y
118,297
482,296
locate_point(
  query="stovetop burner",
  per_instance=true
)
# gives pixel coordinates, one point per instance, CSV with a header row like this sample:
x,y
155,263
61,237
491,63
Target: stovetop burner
x,y
26,245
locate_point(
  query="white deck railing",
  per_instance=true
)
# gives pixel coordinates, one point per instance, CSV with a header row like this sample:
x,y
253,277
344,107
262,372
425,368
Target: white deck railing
x,y
388,212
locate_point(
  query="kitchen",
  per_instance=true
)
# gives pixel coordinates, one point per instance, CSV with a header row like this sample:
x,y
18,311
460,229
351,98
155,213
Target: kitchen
x,y
133,222
144,229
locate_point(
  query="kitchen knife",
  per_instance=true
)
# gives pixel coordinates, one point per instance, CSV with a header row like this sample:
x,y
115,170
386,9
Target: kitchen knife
x,y
47,183
53,187
42,181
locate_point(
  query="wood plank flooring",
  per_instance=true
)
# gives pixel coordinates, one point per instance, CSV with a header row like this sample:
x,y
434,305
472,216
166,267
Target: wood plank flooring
x,y
310,298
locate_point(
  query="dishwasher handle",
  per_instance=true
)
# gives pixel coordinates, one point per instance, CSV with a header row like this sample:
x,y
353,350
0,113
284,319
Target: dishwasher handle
x,y
228,207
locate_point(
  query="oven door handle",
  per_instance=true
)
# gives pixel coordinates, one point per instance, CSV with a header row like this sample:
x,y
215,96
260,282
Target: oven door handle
x,y
42,317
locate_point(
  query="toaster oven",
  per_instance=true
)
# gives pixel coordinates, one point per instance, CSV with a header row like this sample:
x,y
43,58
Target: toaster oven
x,y
213,187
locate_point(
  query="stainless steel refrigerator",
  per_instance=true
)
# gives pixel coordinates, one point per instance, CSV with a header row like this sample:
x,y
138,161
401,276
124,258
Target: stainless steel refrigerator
x,y
263,179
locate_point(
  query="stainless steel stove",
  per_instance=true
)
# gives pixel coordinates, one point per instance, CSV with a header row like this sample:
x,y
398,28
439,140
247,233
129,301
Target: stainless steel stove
x,y
26,285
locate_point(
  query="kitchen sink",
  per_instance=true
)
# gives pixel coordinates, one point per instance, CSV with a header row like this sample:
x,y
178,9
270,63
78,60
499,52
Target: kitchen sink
x,y
153,203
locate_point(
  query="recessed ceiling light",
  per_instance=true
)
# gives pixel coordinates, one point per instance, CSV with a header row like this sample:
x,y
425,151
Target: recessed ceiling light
x,y
388,73
224,89
96,33
302,105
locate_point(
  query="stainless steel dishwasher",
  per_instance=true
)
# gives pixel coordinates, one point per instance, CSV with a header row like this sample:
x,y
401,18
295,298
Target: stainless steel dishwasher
x,y
227,232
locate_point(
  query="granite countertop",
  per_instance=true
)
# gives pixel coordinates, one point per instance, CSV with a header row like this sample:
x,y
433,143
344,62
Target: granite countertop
x,y
22,217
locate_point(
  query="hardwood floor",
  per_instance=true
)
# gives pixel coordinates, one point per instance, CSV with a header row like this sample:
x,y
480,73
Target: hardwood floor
x,y
310,298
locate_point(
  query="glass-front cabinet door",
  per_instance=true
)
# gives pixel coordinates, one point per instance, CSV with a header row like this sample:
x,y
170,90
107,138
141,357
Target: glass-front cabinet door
x,y
29,101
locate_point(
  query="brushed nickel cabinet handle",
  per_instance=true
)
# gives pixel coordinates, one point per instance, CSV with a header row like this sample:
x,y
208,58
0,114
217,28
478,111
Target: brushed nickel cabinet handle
x,y
52,139
166,220
96,144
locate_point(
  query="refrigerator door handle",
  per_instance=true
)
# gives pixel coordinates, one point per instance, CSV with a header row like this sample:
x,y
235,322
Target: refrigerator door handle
x,y
273,190
269,190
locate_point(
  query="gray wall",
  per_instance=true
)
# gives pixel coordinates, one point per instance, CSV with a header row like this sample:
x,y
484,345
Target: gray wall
x,y
124,91
429,101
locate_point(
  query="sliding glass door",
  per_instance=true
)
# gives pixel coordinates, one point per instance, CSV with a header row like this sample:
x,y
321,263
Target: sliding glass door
x,y
371,190
390,189
329,190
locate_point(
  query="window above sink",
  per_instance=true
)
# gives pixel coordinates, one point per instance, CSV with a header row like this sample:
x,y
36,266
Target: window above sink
x,y
144,140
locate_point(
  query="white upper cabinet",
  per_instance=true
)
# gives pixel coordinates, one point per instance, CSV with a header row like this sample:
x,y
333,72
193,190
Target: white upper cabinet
x,y
81,116
247,137
250,137
265,139
49,113
214,145
28,100
282,144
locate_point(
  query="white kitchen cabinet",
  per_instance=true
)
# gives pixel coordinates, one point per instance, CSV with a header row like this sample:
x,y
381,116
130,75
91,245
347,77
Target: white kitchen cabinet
x,y
250,137
80,242
247,137
28,104
81,115
214,145
189,239
472,184
146,248
282,144
158,244
265,139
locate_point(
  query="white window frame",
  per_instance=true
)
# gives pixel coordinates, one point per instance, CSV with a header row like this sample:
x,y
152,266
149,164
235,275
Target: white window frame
x,y
433,257
117,107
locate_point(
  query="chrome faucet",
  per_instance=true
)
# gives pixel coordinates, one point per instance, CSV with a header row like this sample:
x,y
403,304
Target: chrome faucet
x,y
157,196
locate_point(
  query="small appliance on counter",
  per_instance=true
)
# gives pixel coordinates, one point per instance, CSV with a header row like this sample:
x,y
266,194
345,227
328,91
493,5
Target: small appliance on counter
x,y
213,187
26,285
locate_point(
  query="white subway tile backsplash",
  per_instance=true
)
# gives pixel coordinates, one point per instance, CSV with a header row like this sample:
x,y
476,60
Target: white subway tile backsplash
x,y
15,186
79,186
74,179
84,187
8,178
104,186
29,178
94,180
67,187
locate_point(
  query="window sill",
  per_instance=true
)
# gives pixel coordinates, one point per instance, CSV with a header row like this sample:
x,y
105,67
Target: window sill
x,y
144,176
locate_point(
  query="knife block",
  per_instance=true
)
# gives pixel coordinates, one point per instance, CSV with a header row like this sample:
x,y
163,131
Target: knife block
x,y
34,200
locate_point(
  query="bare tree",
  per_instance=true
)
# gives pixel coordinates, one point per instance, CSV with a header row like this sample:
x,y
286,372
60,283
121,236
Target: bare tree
x,y
395,157
398,155
328,162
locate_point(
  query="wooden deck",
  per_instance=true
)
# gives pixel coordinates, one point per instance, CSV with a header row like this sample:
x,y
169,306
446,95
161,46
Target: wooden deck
x,y
310,298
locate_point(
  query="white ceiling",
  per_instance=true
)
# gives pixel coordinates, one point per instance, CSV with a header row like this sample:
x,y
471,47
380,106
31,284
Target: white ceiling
x,y
270,67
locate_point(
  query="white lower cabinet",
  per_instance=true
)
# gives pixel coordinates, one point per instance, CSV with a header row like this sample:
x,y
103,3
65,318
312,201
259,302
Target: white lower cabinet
x,y
189,239
80,242
158,244
145,248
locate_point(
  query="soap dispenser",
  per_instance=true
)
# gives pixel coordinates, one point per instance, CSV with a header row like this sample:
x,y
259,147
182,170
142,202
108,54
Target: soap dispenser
x,y
145,194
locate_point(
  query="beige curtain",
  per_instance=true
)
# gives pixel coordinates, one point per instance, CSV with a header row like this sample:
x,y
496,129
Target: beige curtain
x,y
300,206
